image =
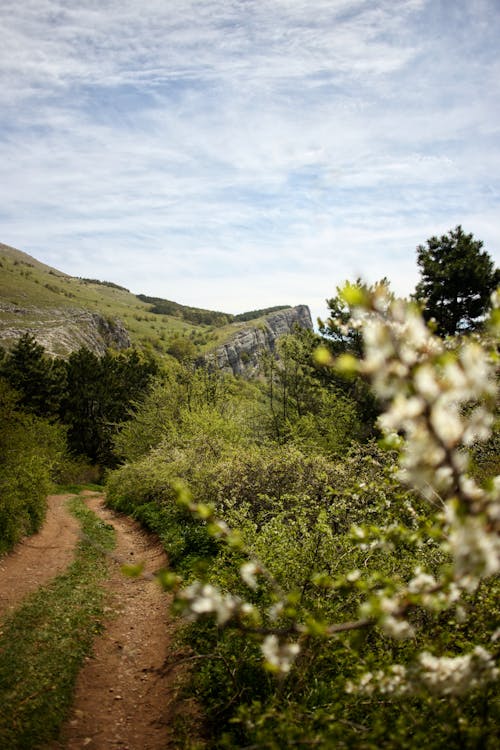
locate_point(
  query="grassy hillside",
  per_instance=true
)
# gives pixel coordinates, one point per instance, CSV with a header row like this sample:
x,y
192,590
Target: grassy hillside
x,y
31,293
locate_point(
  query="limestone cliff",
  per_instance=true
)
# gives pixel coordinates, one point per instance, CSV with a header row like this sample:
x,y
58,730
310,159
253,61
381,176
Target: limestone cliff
x,y
240,354
62,331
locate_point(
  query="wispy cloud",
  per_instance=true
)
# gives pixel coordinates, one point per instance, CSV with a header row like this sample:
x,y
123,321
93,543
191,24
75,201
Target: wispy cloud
x,y
237,153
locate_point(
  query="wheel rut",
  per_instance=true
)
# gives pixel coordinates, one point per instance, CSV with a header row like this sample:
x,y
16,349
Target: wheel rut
x,y
123,698
38,558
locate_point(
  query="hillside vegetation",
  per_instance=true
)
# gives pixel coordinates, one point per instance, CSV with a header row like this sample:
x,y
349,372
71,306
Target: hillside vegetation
x,y
330,601
332,526
34,296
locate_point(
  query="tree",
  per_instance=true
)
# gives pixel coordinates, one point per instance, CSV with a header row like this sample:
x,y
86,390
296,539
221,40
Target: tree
x,y
99,395
457,281
31,452
339,334
39,380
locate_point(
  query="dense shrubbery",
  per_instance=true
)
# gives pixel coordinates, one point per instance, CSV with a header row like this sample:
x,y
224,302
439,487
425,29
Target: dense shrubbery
x,y
198,315
195,315
89,394
253,314
32,454
371,594
57,422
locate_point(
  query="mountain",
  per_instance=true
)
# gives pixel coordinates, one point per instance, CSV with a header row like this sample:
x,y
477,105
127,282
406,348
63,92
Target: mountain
x,y
64,312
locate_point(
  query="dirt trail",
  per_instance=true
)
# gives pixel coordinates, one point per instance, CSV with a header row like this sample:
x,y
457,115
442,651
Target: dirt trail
x,y
40,557
122,701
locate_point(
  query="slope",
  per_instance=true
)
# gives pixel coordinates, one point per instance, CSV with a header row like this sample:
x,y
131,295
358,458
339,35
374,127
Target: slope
x,y
65,312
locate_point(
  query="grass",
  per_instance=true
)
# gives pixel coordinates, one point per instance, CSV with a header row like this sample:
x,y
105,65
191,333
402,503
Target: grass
x,y
43,643
38,290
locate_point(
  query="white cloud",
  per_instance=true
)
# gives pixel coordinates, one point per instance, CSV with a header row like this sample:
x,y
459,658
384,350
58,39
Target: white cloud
x,y
223,152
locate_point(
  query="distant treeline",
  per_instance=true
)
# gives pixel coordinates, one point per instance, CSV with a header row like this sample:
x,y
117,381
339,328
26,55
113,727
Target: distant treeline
x,y
104,283
204,317
252,314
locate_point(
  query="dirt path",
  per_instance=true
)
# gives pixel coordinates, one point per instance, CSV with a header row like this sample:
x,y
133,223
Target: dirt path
x,y
40,557
122,701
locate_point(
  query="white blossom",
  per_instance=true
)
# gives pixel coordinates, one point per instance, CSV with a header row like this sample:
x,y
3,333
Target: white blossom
x,y
475,550
421,582
203,598
459,674
397,627
279,656
426,382
247,572
443,675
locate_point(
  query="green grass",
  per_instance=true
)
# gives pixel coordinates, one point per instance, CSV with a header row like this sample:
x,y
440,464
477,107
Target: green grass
x,y
76,489
39,290
43,643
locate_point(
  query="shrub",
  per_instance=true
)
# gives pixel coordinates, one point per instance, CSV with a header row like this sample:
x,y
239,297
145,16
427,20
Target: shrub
x,y
32,452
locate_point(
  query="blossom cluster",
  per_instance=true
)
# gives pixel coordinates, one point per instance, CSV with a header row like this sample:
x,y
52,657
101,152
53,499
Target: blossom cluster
x,y
204,599
279,655
445,675
439,401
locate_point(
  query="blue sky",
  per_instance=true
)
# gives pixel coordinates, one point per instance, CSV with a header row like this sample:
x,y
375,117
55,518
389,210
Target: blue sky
x,y
235,154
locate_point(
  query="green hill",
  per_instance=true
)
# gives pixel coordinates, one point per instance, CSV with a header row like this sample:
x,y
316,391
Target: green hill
x,y
65,312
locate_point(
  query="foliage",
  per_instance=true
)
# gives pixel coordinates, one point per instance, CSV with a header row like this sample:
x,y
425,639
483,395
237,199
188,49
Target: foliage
x,y
89,394
340,337
39,380
204,317
253,314
181,348
32,453
181,406
457,279
99,394
307,406
374,598
192,314
111,284
43,644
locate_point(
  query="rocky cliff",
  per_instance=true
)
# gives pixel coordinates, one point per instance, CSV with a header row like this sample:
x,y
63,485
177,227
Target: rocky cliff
x,y
240,354
62,331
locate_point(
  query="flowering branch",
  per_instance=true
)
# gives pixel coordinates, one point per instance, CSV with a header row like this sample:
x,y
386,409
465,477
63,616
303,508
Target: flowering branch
x,y
439,401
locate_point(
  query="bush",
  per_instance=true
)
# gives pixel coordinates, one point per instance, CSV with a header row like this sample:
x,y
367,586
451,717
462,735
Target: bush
x,y
32,452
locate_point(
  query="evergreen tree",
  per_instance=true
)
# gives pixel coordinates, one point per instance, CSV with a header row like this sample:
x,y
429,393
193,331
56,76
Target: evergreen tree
x,y
458,278
99,395
39,380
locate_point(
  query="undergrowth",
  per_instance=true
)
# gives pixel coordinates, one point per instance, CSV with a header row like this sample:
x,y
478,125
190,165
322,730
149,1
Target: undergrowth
x,y
43,643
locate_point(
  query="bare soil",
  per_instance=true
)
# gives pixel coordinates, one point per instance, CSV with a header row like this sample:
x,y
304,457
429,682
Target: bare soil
x,y
124,698
38,558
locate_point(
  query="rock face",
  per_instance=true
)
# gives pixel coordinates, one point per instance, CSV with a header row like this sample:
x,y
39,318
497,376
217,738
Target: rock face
x,y
61,332
240,355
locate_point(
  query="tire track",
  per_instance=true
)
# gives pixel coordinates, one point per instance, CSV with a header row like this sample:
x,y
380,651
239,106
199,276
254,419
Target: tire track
x,y
123,700
39,558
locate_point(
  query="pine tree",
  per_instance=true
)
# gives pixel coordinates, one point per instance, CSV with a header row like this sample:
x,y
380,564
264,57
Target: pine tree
x,y
458,278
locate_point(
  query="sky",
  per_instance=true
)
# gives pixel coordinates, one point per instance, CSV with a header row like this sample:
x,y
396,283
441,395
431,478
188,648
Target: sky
x,y
239,154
